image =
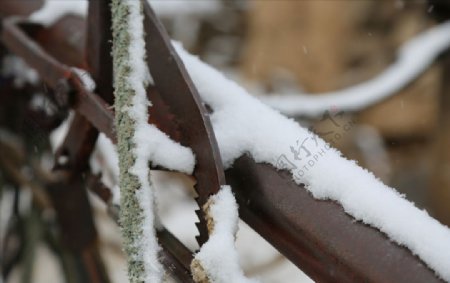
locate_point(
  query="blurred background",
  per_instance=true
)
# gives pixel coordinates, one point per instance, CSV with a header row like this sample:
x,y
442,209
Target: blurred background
x,y
285,47
279,47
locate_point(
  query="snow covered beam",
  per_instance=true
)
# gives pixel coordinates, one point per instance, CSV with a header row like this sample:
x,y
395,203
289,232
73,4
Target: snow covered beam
x,y
318,236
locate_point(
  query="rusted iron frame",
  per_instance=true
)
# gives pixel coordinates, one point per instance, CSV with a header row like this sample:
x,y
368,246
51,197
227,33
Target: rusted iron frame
x,y
175,255
78,231
12,162
10,7
99,46
337,265
64,195
59,77
90,105
177,91
317,235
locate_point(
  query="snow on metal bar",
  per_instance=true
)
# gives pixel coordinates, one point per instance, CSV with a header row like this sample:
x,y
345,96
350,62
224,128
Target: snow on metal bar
x,y
243,124
217,261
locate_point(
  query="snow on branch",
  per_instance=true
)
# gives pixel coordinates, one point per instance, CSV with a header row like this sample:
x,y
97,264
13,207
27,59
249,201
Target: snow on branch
x,y
138,144
414,57
244,125
137,213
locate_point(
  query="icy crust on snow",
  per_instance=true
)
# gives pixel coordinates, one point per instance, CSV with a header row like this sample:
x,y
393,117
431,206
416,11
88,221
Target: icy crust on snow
x,y
218,256
414,57
242,124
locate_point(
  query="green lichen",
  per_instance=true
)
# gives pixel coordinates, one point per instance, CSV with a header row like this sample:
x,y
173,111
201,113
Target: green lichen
x,y
131,214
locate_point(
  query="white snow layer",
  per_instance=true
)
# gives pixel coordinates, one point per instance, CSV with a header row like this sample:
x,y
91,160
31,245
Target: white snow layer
x,y
53,10
150,144
154,271
414,57
242,124
218,256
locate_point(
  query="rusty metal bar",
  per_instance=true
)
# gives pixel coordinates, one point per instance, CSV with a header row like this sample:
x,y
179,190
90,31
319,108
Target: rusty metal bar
x,y
98,47
78,232
95,109
175,255
81,136
177,90
10,7
317,235
13,37
59,76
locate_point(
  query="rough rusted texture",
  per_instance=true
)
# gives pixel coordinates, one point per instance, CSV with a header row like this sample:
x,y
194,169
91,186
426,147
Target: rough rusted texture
x,y
176,90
